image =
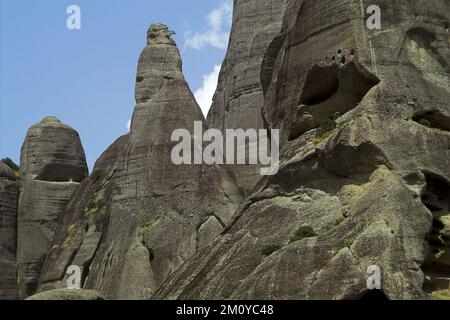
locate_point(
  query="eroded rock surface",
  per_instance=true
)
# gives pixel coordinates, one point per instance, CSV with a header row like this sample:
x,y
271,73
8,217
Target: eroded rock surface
x,y
9,195
238,99
362,143
139,216
52,165
67,295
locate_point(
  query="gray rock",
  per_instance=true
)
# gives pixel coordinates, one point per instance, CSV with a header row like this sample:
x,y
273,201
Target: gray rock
x,y
52,165
238,99
363,179
139,216
67,294
9,195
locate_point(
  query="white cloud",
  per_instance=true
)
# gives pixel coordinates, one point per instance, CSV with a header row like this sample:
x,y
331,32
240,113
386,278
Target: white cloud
x,y
205,94
218,20
129,125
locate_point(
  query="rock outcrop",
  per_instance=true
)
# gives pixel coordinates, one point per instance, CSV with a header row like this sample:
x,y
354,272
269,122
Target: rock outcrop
x,y
239,98
138,217
364,119
9,195
67,295
52,165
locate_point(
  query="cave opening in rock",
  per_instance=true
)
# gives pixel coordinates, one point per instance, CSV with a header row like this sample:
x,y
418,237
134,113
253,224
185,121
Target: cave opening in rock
x,y
329,92
433,119
436,267
322,83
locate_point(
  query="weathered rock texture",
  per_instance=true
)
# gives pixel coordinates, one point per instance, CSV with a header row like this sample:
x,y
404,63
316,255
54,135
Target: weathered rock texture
x,y
67,295
364,118
238,99
9,195
139,216
52,165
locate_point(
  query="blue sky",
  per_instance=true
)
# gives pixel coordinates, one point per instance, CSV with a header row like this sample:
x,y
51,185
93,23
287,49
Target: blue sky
x,y
86,77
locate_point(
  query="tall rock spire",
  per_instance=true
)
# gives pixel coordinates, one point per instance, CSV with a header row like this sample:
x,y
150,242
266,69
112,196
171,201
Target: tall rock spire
x,y
139,216
51,167
238,100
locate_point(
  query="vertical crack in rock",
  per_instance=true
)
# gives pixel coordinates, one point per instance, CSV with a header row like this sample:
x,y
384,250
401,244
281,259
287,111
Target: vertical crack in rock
x,y
437,264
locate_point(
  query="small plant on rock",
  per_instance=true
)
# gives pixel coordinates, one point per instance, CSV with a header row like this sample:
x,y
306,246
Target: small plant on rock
x,y
268,250
302,233
10,164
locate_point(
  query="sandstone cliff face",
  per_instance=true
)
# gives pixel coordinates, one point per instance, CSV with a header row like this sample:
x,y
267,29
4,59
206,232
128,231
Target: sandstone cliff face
x,y
52,165
364,117
138,217
9,195
238,99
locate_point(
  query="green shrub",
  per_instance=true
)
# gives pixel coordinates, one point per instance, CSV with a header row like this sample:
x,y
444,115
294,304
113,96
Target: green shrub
x,y
10,163
302,233
268,250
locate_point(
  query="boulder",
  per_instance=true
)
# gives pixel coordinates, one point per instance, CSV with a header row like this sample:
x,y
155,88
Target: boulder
x,y
52,166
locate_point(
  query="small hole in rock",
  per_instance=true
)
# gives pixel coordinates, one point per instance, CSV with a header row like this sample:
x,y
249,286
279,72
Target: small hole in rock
x,y
433,119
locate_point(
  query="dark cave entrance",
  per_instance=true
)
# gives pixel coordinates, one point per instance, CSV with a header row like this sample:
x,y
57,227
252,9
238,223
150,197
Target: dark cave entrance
x,y
329,92
374,295
436,266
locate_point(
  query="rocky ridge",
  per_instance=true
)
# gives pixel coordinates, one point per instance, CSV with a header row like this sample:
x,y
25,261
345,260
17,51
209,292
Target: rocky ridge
x,y
138,217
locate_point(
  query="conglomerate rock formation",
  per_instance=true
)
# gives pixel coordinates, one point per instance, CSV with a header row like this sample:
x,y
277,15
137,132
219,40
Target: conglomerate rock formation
x,y
238,99
364,179
9,195
52,165
139,216
364,118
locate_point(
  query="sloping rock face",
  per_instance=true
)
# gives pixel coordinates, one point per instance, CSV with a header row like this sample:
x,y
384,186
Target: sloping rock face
x,y
52,165
364,167
9,196
139,216
67,295
238,99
